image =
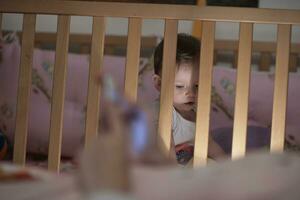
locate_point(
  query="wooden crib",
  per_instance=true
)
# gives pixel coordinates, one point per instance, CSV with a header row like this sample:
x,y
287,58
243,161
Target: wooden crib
x,y
284,19
225,51
80,43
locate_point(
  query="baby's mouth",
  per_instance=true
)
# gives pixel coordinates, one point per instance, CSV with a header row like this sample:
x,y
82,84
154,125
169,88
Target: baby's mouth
x,y
190,103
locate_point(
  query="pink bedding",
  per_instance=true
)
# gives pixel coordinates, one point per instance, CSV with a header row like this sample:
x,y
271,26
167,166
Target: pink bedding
x,y
261,99
260,102
39,116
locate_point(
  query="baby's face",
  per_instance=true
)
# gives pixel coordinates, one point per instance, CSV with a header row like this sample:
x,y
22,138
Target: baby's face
x,y
186,87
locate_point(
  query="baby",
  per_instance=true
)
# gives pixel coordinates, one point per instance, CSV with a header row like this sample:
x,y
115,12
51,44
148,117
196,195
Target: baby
x,y
185,96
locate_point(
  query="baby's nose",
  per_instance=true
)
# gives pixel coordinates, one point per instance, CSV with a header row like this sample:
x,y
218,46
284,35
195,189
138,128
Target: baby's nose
x,y
190,91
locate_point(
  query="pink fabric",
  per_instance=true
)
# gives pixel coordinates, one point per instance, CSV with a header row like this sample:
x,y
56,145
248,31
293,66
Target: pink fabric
x,y
261,98
39,116
147,92
260,101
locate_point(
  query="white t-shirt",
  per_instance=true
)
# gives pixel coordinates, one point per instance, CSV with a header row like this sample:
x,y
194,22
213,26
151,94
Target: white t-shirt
x,y
183,130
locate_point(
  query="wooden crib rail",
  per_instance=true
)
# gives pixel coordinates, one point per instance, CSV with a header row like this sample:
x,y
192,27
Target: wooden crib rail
x,y
133,58
24,88
167,84
242,91
265,50
136,13
81,43
58,92
280,88
93,98
204,93
152,11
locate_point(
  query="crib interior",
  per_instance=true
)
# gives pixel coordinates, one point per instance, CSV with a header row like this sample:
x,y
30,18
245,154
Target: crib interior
x,y
225,50
285,20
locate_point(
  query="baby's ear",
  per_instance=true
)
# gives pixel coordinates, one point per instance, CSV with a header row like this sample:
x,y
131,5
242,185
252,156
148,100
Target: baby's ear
x,y
157,81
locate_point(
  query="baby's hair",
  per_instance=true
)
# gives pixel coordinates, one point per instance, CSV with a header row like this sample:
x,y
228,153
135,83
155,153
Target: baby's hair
x,y
188,51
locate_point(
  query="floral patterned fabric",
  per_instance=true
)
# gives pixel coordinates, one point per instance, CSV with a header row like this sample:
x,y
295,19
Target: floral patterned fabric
x,y
40,100
223,94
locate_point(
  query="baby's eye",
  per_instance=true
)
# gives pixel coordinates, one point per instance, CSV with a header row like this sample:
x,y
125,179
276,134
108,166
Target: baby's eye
x,y
179,86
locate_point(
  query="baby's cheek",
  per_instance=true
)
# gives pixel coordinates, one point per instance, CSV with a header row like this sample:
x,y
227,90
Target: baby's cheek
x,y
177,106
178,100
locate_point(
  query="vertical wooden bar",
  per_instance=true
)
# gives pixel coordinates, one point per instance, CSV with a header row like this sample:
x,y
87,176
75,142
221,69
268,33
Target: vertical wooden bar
x,y
133,58
58,92
24,87
167,84
281,87
93,95
242,91
204,93
197,26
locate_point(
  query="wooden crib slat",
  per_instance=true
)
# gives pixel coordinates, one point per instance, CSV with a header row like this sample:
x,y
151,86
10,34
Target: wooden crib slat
x,y
24,87
58,92
280,88
133,58
204,93
96,63
242,91
167,84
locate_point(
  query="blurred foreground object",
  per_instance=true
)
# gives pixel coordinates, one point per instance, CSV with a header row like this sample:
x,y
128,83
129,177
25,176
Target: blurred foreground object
x,y
107,170
104,168
259,176
123,140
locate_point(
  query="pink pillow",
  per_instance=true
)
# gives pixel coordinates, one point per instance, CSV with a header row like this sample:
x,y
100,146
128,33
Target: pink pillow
x,y
8,86
39,124
39,116
77,72
261,98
